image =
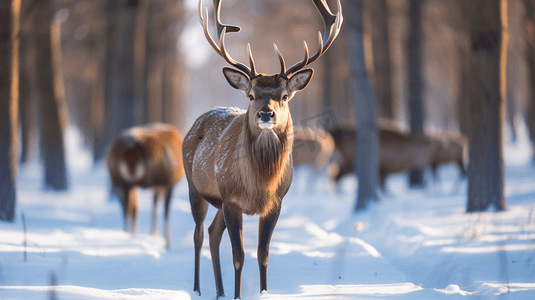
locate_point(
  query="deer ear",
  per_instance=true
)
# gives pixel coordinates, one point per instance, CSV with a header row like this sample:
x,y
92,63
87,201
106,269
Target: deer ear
x,y
237,79
299,80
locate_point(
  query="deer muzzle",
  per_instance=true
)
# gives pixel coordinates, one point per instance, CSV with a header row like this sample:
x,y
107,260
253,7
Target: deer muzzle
x,y
266,119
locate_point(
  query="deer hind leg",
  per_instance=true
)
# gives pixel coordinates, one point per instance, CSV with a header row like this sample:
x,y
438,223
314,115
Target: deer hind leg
x,y
216,232
234,220
167,202
265,230
199,206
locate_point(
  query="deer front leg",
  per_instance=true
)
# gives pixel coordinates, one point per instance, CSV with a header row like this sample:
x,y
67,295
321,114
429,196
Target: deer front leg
x,y
233,220
154,212
216,232
129,203
265,230
122,193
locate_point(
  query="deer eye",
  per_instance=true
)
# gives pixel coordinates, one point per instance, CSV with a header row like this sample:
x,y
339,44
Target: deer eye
x,y
285,97
251,97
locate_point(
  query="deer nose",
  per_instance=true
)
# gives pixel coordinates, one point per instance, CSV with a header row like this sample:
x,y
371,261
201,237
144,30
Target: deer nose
x,y
265,116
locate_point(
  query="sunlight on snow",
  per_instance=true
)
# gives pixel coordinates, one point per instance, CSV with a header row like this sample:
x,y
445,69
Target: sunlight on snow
x,y
336,291
489,249
76,292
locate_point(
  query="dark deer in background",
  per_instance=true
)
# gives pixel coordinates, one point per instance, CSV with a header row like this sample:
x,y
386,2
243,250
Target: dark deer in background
x,y
241,161
452,148
313,146
400,151
147,156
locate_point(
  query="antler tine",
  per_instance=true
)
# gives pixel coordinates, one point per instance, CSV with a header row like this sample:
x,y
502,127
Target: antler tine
x,y
222,29
219,25
204,22
281,60
251,61
232,62
332,24
200,12
298,66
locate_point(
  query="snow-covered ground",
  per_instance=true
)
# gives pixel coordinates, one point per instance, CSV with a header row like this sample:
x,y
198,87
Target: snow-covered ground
x,y
414,244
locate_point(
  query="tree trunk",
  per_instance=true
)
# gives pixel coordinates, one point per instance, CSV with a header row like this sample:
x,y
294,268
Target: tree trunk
x,y
154,68
488,40
416,106
530,60
27,110
122,89
140,60
511,111
381,58
101,108
328,70
174,89
464,89
363,97
175,73
9,80
52,108
460,21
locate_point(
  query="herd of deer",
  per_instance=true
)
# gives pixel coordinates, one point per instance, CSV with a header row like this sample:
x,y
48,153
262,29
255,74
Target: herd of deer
x,y
241,161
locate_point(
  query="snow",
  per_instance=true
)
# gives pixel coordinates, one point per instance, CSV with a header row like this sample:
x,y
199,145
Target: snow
x,y
412,244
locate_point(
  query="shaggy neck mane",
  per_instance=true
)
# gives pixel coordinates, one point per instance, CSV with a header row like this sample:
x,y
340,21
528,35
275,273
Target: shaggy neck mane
x,y
268,151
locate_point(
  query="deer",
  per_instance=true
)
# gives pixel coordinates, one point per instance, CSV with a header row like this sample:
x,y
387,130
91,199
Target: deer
x,y
313,146
240,161
148,156
452,148
400,151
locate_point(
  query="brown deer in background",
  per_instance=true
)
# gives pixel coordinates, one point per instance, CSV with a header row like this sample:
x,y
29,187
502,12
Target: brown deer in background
x,y
147,156
241,161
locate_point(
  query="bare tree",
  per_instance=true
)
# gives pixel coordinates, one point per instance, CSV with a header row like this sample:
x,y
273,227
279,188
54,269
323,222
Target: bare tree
x,y
460,21
381,57
52,108
9,80
363,97
416,106
155,61
122,89
27,105
530,59
488,42
102,97
175,72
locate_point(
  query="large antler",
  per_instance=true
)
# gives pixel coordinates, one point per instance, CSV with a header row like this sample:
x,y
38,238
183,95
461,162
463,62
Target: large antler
x,y
222,29
332,24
